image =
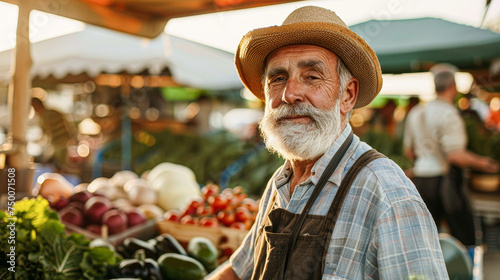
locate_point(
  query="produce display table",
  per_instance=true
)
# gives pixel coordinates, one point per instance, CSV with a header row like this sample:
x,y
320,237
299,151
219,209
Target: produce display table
x,y
222,237
486,205
487,208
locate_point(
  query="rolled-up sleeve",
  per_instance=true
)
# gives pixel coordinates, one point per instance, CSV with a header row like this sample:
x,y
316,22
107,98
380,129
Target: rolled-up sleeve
x,y
242,260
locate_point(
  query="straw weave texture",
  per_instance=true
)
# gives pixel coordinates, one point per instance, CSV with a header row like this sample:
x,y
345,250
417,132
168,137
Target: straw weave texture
x,y
313,26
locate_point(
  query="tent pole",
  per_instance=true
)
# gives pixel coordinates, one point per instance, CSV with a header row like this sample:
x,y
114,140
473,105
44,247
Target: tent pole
x,y
19,88
126,136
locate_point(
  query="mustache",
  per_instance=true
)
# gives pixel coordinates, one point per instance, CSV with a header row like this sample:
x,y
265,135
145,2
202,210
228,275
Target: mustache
x,y
286,110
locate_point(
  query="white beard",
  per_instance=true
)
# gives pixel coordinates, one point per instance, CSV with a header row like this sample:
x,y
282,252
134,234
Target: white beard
x,y
297,141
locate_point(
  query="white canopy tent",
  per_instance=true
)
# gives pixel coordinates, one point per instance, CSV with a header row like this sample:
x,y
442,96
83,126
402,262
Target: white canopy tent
x,y
134,17
96,50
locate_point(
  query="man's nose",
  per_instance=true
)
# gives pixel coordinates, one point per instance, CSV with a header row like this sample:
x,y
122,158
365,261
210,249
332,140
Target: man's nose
x,y
293,92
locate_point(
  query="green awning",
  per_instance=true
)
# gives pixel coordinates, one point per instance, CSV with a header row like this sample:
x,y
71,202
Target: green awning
x,y
414,45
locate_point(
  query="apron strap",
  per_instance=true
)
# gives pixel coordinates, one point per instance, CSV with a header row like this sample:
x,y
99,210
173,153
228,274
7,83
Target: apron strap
x,y
334,210
332,165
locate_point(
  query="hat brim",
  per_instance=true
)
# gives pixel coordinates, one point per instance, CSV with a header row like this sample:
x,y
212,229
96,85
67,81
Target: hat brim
x,y
357,55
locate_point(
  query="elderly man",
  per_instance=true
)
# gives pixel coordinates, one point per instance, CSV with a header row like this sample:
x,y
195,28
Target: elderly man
x,y
336,209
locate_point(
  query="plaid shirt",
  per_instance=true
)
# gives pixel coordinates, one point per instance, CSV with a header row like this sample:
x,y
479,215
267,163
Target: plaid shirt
x,y
383,231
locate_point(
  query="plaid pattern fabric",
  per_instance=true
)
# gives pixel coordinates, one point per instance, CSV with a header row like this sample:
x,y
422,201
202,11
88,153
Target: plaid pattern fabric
x,y
384,230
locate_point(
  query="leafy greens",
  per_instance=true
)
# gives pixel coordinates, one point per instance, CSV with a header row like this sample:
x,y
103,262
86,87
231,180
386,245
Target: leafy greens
x,y
45,251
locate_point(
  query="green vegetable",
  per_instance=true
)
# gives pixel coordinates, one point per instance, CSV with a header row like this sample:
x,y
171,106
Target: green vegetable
x,y
166,243
44,250
60,253
97,261
99,242
130,268
154,269
132,244
203,250
179,267
139,267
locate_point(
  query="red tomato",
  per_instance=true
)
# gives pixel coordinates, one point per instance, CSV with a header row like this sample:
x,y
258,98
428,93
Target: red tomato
x,y
218,202
209,190
242,214
239,225
227,252
249,223
196,202
226,217
172,215
204,210
209,222
189,220
238,193
227,194
234,202
237,190
227,191
193,206
250,204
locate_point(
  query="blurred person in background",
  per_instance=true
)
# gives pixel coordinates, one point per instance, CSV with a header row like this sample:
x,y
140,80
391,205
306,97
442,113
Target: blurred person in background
x,y
412,102
336,208
383,118
60,133
436,140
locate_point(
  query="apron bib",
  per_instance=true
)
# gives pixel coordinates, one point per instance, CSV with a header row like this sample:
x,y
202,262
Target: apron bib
x,y
294,246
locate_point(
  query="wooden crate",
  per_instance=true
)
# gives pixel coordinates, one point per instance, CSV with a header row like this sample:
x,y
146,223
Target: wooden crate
x,y
143,231
222,237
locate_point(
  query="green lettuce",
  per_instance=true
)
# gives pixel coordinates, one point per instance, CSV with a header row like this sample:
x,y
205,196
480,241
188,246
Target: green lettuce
x,y
45,251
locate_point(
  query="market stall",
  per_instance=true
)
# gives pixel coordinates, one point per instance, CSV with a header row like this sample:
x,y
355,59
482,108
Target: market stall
x,y
43,238
179,208
134,17
160,225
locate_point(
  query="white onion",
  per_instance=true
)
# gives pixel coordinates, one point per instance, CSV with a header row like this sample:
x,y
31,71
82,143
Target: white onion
x,y
140,194
121,177
110,191
122,203
151,210
98,183
174,190
135,182
169,168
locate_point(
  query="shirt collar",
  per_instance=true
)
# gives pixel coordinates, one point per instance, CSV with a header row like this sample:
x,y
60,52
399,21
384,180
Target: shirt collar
x,y
319,167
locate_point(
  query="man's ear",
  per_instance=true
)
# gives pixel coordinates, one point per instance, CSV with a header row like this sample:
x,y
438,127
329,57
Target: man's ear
x,y
350,96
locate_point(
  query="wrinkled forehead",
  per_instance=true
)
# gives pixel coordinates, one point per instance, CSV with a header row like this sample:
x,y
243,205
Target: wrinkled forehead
x,y
301,51
302,55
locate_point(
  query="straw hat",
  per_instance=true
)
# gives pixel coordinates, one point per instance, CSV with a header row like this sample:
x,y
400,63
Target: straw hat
x,y
313,26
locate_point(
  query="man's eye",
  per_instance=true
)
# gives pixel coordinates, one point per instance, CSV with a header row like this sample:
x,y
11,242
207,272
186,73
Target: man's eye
x,y
278,79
